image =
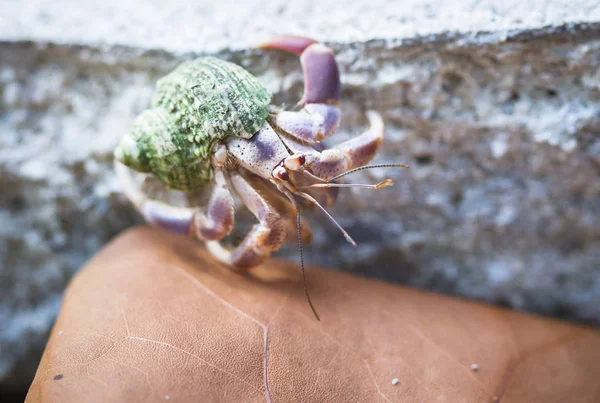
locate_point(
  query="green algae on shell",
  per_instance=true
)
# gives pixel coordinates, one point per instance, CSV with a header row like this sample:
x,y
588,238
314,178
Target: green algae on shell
x,y
200,103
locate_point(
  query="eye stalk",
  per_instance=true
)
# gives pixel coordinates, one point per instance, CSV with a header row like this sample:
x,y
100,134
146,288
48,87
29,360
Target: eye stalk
x,y
291,163
294,162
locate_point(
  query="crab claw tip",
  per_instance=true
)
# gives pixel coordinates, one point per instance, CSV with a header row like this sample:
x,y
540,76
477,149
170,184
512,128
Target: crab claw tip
x,y
290,43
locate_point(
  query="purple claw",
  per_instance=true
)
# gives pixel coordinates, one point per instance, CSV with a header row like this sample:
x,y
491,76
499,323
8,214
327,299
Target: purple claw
x,y
313,124
321,74
289,43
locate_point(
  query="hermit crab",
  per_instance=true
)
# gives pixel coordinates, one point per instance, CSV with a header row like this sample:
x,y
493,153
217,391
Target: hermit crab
x,y
211,125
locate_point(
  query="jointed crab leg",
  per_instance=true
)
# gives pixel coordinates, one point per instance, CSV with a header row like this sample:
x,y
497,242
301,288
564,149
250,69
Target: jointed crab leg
x,y
321,74
212,224
285,208
218,220
350,154
311,124
264,238
320,115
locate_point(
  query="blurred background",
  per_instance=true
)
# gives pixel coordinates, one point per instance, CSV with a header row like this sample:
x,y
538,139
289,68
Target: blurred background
x,y
494,104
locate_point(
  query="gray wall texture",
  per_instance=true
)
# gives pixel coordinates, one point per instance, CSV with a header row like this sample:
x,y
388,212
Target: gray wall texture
x,y
495,105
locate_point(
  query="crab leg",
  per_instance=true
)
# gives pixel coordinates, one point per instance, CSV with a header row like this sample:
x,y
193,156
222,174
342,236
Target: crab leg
x,y
350,154
320,115
287,211
264,238
212,224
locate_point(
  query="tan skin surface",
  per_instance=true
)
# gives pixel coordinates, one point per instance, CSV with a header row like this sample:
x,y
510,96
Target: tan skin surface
x,y
153,317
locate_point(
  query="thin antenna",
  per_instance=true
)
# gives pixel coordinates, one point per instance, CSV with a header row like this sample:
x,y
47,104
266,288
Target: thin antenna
x,y
290,196
302,266
366,167
314,201
380,185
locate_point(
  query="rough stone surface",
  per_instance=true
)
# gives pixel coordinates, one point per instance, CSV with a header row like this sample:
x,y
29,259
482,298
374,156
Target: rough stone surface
x,y
182,26
502,201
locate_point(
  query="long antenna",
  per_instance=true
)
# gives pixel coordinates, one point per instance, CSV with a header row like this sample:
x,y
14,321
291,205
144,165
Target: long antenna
x,y
315,202
327,185
298,226
367,167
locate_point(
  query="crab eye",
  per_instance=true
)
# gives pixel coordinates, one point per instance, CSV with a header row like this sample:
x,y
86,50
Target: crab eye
x,y
281,173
